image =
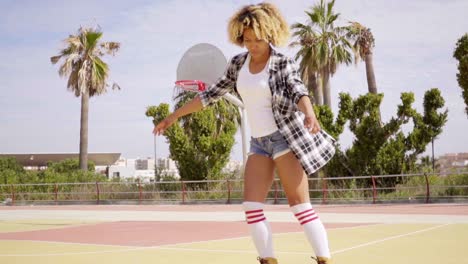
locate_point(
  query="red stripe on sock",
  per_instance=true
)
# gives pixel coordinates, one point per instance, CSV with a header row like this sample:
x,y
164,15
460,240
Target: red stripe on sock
x,y
305,216
254,211
309,220
256,221
303,212
254,216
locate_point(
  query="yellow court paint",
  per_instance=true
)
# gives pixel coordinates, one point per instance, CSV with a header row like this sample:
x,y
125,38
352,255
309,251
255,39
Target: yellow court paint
x,y
383,244
39,224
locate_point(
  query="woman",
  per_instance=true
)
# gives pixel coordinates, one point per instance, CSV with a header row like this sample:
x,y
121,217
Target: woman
x,y
285,132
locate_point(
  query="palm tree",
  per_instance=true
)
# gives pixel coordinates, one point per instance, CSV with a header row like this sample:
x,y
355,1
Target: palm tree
x,y
87,74
309,64
323,46
363,44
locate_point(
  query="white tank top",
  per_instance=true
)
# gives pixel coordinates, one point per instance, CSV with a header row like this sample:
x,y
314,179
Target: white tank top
x,y
256,95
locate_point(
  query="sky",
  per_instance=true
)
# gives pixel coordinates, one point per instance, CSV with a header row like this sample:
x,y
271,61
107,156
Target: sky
x,y
413,52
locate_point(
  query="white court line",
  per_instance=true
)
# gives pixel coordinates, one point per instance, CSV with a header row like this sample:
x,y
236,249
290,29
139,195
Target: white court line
x,y
173,246
308,253
388,238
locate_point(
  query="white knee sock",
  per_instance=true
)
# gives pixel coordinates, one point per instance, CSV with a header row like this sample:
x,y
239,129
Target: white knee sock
x,y
259,229
313,228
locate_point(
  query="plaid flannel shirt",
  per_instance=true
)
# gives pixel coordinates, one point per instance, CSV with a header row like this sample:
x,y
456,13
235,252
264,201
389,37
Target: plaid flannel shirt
x,y
312,150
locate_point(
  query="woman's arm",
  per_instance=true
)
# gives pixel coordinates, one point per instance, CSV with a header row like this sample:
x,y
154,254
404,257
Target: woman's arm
x,y
310,120
192,106
305,106
300,96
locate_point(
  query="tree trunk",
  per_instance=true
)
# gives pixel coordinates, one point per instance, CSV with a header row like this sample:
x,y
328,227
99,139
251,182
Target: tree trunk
x,y
326,87
371,84
84,131
314,88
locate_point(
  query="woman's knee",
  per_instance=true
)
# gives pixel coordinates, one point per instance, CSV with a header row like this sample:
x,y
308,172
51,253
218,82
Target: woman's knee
x,y
254,197
300,199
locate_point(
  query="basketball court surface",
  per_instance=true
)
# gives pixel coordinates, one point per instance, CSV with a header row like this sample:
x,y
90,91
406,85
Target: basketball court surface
x,y
196,234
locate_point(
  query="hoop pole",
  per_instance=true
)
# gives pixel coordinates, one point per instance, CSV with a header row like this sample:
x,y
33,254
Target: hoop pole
x,y
231,98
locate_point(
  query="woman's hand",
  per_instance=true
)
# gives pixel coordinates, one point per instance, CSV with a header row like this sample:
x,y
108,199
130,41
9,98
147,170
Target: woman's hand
x,y
310,120
312,124
163,125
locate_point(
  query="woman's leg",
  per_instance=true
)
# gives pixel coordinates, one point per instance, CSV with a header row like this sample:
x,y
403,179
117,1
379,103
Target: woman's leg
x,y
296,187
258,178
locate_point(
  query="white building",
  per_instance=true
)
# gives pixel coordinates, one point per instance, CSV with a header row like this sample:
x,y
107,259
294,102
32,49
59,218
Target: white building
x,y
168,167
121,172
142,168
232,166
144,175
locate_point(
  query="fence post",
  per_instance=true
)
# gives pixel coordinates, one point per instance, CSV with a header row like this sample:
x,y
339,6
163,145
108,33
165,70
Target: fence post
x,y
56,191
183,192
139,190
276,192
97,192
12,194
428,191
374,190
229,191
324,191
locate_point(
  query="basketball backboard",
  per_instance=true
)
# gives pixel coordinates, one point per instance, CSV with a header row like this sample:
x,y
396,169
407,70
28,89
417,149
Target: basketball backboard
x,y
200,66
204,62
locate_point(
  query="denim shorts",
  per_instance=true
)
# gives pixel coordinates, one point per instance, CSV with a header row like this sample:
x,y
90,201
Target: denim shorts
x,y
272,146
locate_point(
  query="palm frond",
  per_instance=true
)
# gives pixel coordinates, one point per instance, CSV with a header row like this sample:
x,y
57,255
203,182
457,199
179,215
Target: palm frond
x,y
110,47
92,39
67,66
82,63
115,86
331,19
98,76
294,44
74,44
55,59
363,39
72,84
330,8
83,77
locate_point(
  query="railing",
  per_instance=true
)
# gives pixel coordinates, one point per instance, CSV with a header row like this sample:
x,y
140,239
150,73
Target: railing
x,y
368,189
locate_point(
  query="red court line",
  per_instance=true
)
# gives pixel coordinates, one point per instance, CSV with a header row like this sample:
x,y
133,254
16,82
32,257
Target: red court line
x,y
433,209
149,233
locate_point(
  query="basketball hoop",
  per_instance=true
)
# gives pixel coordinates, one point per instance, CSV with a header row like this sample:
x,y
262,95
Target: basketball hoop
x,y
190,85
200,67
